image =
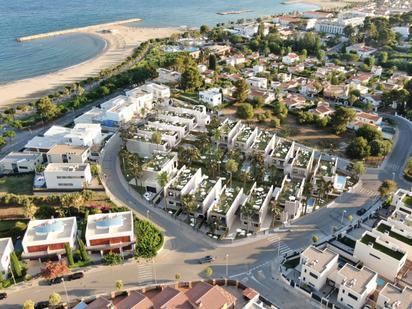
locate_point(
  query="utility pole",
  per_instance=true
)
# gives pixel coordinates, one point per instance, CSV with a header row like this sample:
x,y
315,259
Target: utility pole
x,y
227,265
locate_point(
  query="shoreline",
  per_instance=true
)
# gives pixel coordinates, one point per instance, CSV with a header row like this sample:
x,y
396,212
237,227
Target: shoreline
x,y
324,4
119,44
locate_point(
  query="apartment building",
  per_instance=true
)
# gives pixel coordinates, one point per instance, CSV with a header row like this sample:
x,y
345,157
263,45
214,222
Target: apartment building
x,y
212,96
202,118
153,166
317,265
20,162
402,200
222,214
178,116
229,130
254,209
302,163
290,197
6,248
143,145
159,92
110,232
355,285
244,139
264,144
181,129
63,153
380,255
67,176
282,153
393,297
48,237
170,136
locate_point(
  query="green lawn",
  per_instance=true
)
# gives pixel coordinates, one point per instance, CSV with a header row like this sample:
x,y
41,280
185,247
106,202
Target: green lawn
x,y
408,201
17,184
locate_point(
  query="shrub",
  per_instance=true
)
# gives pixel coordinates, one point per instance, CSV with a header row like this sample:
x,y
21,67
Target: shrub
x,y
112,259
149,239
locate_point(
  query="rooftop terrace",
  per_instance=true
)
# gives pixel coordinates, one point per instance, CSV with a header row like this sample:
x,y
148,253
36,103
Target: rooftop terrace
x,y
282,149
226,200
157,162
203,190
255,202
386,229
303,158
182,179
227,127
407,200
369,240
244,134
290,190
325,168
263,140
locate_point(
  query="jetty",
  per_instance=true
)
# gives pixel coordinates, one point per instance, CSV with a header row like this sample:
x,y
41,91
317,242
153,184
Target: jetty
x,y
73,30
233,12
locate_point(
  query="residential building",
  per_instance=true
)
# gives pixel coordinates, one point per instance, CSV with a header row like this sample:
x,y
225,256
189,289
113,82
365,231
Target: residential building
x,y
368,118
222,214
302,163
290,59
182,129
264,96
219,50
322,110
290,198
20,162
257,82
294,101
282,153
135,300
324,175
391,297
317,265
206,195
235,60
212,96
245,138
402,200
67,176
143,145
205,295
170,298
336,91
159,92
101,303
202,118
142,97
229,129
255,208
170,136
355,285
337,25
63,153
110,232
317,15
264,144
362,50
118,111
398,234
168,76
6,248
378,254
48,237
401,220
152,167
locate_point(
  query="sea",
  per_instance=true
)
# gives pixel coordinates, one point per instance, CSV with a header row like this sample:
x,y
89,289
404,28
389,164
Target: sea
x,y
26,17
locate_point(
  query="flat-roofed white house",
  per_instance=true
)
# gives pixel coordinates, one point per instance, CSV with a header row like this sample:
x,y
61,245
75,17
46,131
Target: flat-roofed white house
x,y
222,214
290,198
355,285
181,129
229,129
282,153
257,82
6,248
254,209
264,144
378,254
175,116
206,195
400,235
48,237
67,176
401,220
212,96
393,297
153,166
362,50
142,97
402,200
62,153
290,58
317,265
324,171
20,162
202,118
110,232
143,145
118,110
170,136
245,138
168,76
160,92
302,163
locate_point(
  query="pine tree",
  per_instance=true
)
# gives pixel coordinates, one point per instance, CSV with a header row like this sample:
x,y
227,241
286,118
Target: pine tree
x,y
15,264
69,254
83,252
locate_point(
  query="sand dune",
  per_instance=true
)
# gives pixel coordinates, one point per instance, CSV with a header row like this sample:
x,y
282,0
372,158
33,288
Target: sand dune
x,y
120,44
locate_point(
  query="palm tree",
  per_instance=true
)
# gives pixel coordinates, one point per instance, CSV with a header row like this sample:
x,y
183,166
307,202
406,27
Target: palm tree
x,y
231,167
189,203
245,175
136,168
162,179
217,135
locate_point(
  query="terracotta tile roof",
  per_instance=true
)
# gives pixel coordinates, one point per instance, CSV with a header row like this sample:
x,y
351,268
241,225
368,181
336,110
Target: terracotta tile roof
x,y
205,295
250,293
135,300
368,116
100,303
170,298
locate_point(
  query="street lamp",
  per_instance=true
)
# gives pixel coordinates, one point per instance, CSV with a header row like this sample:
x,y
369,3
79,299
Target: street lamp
x,y
147,214
12,274
393,175
65,290
227,265
341,220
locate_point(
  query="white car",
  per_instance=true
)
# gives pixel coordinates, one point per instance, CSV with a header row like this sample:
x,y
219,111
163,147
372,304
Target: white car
x,y
148,196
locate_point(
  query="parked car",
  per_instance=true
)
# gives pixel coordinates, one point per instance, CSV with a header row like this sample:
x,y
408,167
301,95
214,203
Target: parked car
x,y
3,295
75,276
361,212
56,280
206,259
41,305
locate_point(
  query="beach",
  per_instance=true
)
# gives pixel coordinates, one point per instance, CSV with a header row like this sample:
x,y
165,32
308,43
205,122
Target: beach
x,y
120,42
325,4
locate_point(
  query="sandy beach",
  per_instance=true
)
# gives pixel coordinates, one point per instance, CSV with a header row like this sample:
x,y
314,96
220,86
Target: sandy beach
x,y
326,4
119,45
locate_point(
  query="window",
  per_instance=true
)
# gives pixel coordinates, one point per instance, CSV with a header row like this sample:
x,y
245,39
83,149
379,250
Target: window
x,y
313,275
352,296
376,257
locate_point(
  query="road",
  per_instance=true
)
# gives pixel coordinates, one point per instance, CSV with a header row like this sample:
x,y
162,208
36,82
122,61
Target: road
x,y
253,263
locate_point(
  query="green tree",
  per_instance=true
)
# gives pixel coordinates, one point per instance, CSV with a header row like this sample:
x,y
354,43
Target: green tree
x,y
341,118
119,285
380,147
55,299
242,91
231,167
204,29
112,258
315,238
280,110
28,304
156,137
15,264
212,62
208,272
369,132
188,203
359,168
69,254
191,79
9,134
46,109
29,209
359,148
83,252
162,179
245,111
387,187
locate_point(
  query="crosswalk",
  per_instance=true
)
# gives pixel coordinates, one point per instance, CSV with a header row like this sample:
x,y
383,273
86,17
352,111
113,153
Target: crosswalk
x,y
367,191
278,245
145,272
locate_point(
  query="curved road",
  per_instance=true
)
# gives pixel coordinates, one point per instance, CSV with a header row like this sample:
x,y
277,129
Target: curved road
x,y
253,263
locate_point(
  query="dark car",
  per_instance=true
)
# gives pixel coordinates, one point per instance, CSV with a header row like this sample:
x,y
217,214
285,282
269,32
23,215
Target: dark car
x,y
56,280
3,295
361,212
41,305
75,276
206,259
